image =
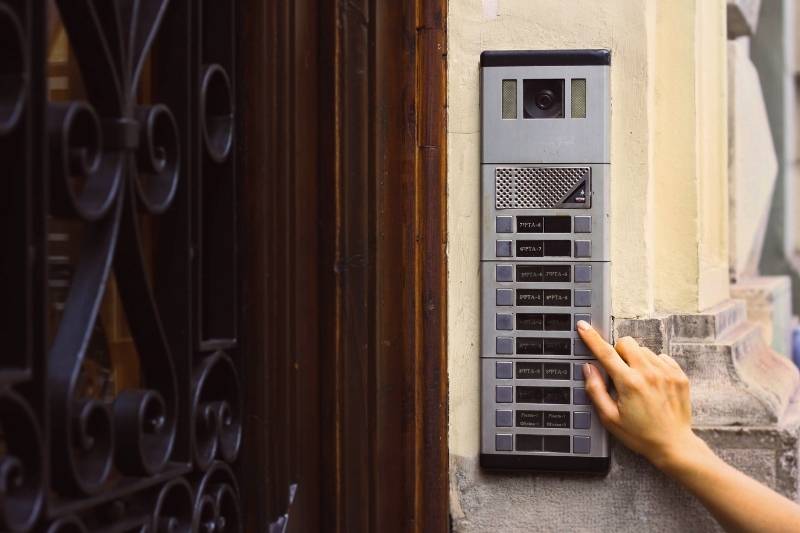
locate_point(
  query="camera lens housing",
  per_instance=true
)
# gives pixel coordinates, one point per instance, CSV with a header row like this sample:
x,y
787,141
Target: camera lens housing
x,y
543,98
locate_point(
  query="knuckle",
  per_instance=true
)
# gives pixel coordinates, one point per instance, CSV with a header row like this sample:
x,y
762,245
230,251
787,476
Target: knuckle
x,y
593,386
652,377
635,382
624,342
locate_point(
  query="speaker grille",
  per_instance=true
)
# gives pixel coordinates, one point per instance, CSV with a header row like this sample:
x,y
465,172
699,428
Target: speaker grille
x,y
509,98
536,187
578,98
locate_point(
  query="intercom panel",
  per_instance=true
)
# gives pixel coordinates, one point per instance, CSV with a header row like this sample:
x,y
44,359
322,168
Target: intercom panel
x,y
545,256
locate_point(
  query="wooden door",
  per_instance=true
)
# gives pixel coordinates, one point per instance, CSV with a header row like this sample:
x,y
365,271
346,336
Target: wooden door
x,y
344,247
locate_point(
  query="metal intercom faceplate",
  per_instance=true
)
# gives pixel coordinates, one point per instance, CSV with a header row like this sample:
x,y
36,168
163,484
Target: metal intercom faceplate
x,y
545,259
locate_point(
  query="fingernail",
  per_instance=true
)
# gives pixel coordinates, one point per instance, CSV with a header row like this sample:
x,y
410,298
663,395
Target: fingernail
x,y
587,370
583,325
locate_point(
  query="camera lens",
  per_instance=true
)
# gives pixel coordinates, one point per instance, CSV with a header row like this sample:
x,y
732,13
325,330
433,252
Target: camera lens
x,y
545,99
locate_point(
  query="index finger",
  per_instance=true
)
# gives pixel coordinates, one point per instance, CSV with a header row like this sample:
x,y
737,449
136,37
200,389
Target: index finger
x,y
604,352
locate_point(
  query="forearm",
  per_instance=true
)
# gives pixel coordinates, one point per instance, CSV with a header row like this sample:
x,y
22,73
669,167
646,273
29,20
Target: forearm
x,y
737,501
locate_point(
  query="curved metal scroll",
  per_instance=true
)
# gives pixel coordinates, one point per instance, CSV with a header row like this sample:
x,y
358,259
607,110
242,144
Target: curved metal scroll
x,y
156,456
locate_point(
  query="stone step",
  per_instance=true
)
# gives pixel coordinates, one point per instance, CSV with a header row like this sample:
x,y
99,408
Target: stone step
x,y
708,325
737,379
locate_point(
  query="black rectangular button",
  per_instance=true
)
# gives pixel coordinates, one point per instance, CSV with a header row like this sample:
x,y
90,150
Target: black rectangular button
x,y
529,296
529,443
556,297
555,248
555,370
556,273
557,346
558,224
529,273
553,395
531,394
529,419
556,443
555,419
556,322
529,346
527,370
532,321
531,248
529,224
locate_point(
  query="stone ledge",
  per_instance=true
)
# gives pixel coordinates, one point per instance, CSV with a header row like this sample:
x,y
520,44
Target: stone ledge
x,y
736,377
739,379
657,333
709,325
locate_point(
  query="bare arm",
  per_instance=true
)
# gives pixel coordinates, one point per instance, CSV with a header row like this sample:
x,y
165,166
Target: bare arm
x,y
652,415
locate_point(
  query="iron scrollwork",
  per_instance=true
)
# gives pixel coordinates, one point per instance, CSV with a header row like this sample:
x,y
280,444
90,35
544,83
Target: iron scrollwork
x,y
154,455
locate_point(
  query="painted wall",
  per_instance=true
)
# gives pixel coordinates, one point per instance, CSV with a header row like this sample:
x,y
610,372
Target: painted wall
x,y
668,150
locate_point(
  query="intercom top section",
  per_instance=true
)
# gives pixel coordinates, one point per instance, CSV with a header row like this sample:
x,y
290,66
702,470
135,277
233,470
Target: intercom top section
x,y
569,89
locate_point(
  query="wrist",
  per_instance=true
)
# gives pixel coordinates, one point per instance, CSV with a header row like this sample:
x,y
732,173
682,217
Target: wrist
x,y
683,454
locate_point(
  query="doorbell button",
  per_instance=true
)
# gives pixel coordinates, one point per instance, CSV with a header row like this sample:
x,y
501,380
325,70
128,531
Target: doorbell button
x,y
585,318
583,297
583,273
504,322
504,272
503,418
580,348
579,397
583,224
503,248
502,442
504,370
581,420
504,225
503,394
583,248
581,444
504,345
504,296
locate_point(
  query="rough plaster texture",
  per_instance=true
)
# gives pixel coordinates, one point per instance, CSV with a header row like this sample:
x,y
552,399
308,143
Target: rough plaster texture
x,y
711,149
769,304
753,165
688,160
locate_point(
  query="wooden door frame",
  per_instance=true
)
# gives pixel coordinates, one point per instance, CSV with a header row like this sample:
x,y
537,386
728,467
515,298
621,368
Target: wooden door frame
x,y
344,262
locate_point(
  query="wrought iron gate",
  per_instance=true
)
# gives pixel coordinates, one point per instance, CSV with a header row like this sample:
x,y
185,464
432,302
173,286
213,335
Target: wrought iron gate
x,y
120,404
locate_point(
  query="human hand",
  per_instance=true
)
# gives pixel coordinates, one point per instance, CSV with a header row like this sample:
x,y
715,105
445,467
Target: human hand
x,y
652,413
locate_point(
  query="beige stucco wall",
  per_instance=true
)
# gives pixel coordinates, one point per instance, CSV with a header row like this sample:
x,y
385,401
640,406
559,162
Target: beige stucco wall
x,y
668,153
